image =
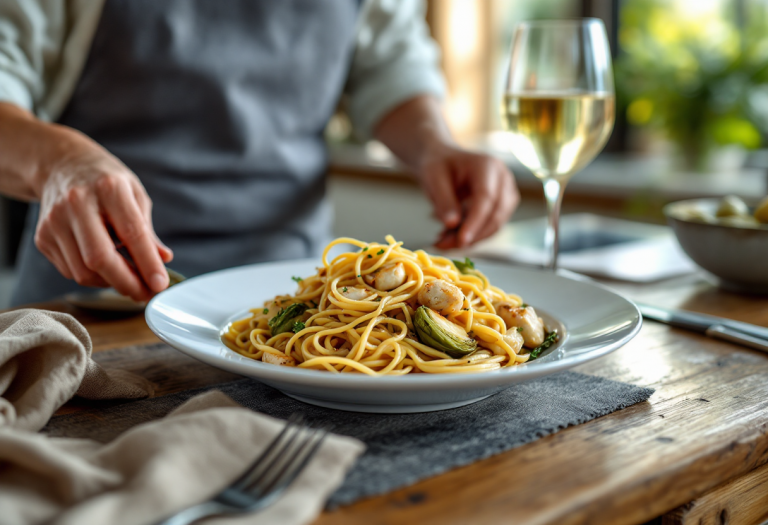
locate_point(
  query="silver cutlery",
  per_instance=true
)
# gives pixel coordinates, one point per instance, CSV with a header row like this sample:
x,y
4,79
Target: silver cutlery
x,y
265,479
745,334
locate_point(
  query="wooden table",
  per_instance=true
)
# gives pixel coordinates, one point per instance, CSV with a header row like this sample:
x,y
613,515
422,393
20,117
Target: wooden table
x,y
695,453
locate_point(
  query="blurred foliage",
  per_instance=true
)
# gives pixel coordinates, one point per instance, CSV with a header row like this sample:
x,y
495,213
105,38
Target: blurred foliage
x,y
698,70
515,11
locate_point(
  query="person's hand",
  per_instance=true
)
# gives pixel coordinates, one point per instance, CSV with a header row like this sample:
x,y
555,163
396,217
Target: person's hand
x,y
83,188
473,194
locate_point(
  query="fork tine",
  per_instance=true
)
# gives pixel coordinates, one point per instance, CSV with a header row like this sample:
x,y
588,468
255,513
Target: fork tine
x,y
273,452
300,463
258,485
295,464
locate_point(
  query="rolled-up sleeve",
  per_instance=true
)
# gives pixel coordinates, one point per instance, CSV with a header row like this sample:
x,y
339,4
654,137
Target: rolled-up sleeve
x,y
395,59
31,33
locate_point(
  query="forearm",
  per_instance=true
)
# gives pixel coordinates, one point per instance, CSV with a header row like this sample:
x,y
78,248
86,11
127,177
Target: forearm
x,y
27,149
82,188
414,130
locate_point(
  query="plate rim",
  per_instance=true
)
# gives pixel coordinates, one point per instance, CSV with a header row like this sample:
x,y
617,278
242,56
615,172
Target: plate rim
x,y
319,378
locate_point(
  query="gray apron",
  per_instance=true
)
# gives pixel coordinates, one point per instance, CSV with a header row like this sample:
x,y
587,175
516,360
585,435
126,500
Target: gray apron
x,y
219,107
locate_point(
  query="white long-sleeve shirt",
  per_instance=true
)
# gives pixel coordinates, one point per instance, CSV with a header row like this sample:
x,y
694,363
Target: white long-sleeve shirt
x,y
44,45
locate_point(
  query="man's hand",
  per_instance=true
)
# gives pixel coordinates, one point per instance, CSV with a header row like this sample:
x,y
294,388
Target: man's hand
x,y
473,194
83,189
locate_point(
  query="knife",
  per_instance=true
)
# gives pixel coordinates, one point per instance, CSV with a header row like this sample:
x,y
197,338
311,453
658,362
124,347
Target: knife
x,y
745,334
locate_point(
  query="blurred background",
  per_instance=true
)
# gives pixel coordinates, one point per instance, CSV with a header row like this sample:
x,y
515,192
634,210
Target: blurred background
x,y
692,120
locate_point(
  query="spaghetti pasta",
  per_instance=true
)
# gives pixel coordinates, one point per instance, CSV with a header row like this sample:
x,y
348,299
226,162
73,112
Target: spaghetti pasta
x,y
358,313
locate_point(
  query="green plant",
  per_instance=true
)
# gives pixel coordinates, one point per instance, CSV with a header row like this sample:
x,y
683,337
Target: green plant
x,y
698,70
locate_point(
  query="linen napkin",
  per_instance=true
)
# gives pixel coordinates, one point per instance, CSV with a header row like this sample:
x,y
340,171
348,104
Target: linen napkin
x,y
45,359
147,473
158,468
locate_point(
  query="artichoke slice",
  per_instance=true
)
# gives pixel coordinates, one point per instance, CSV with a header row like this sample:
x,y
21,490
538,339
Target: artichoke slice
x,y
284,320
438,332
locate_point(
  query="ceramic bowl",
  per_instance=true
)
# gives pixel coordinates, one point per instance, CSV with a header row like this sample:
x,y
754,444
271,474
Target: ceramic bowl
x,y
737,256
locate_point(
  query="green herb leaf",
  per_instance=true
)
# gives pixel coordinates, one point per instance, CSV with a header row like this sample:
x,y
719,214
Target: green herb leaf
x,y
297,279
519,328
551,339
365,249
380,252
284,320
523,305
298,326
359,275
370,256
265,311
464,267
344,290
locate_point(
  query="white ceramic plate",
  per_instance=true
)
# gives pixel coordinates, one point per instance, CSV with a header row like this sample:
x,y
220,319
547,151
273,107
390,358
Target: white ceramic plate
x,y
192,315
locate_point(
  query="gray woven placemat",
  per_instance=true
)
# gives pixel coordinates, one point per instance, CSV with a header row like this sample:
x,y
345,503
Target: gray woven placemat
x,y
402,448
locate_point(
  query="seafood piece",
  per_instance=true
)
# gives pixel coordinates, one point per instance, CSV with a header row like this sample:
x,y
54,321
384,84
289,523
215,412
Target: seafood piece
x,y
388,277
441,296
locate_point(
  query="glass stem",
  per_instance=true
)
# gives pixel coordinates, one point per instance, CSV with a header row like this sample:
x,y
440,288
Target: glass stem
x,y
553,193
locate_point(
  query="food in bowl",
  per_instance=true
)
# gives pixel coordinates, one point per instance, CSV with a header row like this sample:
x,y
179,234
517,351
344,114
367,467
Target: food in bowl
x,y
730,211
381,309
732,246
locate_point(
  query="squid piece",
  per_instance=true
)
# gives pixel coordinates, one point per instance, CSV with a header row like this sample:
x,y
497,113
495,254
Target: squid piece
x,y
515,340
280,360
524,320
355,293
388,277
441,296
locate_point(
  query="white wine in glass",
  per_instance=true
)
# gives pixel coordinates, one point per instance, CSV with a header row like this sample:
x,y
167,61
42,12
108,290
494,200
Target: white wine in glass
x,y
559,106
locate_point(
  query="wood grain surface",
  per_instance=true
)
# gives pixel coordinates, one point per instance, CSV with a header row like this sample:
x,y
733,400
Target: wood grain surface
x,y
703,430
742,501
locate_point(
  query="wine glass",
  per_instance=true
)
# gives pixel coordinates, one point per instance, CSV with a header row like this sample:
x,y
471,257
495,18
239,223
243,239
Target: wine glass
x,y
559,104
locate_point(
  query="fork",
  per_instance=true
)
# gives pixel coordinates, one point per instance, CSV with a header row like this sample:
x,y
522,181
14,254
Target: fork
x,y
265,479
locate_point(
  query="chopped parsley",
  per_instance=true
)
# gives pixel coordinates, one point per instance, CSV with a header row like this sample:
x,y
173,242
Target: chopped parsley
x,y
359,275
297,279
344,290
298,326
365,249
370,256
519,328
548,341
523,305
464,267
265,311
380,252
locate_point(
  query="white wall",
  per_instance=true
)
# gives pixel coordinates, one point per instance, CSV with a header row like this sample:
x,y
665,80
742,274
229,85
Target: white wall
x,y
368,208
